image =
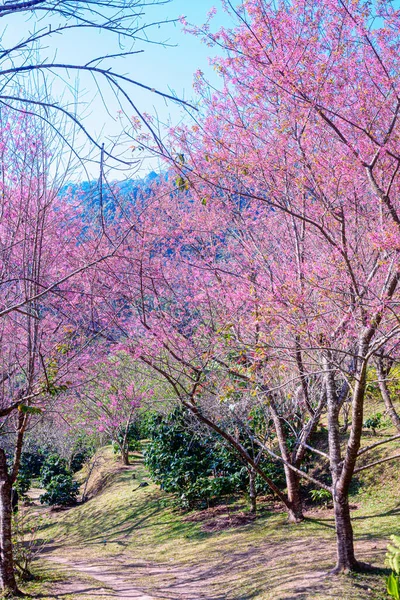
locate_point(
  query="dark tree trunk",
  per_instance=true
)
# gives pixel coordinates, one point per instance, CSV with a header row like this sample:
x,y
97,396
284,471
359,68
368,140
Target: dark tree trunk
x,y
252,491
7,576
342,470
125,456
346,560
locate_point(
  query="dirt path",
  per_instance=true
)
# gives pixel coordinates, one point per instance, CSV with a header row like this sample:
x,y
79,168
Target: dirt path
x,y
119,576
117,587
289,574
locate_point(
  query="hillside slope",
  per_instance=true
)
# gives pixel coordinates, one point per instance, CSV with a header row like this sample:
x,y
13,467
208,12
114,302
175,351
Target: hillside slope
x,y
131,538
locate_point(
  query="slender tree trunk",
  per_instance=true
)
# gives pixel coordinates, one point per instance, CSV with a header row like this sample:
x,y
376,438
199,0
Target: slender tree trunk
x,y
346,560
341,473
295,505
383,387
7,577
252,491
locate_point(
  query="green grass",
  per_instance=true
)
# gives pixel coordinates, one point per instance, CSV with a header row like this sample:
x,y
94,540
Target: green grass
x,y
265,559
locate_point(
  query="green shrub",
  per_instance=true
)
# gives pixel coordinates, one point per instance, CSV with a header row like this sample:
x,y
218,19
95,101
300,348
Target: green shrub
x,y
23,484
321,496
56,478
393,558
374,422
198,468
82,450
62,490
53,465
30,466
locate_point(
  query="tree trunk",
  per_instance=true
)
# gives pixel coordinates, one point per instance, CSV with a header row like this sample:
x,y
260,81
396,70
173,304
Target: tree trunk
x,y
295,512
346,560
252,491
383,387
125,456
342,470
295,506
7,577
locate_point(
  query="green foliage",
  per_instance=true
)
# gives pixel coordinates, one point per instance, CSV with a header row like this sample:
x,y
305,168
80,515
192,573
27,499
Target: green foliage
x,y
374,422
198,468
56,478
33,461
29,410
23,483
30,466
78,458
182,183
145,423
83,450
393,555
393,558
321,496
393,586
53,465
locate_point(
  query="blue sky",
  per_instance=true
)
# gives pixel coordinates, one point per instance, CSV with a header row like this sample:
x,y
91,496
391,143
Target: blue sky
x,y
165,68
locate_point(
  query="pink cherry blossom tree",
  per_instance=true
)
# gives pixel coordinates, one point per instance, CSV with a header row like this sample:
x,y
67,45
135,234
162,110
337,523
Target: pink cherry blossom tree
x,y
108,402
306,123
50,315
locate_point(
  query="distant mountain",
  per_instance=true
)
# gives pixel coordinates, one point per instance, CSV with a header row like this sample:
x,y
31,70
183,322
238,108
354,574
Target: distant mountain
x,y
109,196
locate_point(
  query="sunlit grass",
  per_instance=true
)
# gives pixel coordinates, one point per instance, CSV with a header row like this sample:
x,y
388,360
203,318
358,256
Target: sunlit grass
x,y
260,560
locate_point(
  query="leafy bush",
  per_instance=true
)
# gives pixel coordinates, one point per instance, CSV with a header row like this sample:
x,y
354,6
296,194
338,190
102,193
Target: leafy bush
x,y
374,422
82,450
56,478
78,459
53,465
23,483
393,558
62,490
30,466
197,467
321,496
32,461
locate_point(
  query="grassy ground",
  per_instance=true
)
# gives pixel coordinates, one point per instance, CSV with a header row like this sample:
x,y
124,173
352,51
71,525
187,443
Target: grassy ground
x,y
136,532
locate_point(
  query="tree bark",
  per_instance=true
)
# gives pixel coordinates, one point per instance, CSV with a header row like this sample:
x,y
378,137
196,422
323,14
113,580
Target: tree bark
x,y
295,512
252,491
295,505
125,455
383,387
346,560
7,577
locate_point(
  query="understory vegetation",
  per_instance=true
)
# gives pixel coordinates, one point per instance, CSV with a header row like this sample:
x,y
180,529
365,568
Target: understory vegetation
x,y
234,556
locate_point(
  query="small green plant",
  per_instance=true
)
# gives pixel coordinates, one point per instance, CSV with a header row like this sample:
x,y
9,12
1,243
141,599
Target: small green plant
x,y
321,496
393,558
374,422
